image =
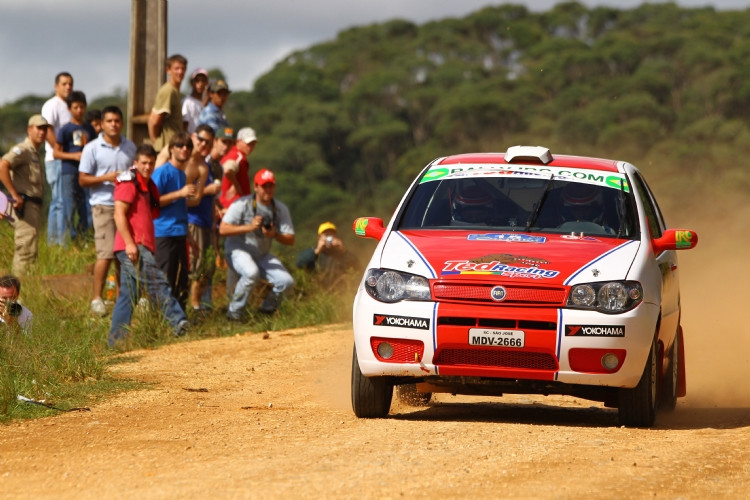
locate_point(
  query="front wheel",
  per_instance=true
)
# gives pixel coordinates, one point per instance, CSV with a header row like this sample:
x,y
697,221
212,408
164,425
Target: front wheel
x,y
637,406
371,396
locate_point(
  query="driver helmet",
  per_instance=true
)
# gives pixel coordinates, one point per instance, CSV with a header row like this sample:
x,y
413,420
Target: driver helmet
x,y
583,200
472,204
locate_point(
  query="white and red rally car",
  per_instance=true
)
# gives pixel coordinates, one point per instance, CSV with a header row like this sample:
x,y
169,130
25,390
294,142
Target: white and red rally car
x,y
523,272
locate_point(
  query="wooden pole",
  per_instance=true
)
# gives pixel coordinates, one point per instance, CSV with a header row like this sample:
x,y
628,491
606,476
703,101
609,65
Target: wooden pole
x,y
148,53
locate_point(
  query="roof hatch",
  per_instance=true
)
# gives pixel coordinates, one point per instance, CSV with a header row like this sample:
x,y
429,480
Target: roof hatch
x,y
535,154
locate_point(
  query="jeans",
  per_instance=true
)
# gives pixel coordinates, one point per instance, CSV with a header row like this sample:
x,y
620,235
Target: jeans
x,y
56,216
150,278
68,183
249,269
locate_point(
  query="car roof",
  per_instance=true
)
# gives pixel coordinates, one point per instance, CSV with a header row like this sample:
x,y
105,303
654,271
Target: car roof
x,y
566,161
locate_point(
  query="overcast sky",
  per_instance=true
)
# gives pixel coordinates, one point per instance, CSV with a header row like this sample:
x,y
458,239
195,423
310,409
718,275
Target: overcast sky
x,y
244,38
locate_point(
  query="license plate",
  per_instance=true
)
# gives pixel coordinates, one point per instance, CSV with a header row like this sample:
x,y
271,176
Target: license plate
x,y
496,338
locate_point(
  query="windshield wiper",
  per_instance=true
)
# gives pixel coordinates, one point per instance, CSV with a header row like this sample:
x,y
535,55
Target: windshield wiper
x,y
538,205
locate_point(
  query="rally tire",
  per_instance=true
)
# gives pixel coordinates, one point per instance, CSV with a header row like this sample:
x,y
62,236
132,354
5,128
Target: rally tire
x,y
408,394
637,406
371,396
671,380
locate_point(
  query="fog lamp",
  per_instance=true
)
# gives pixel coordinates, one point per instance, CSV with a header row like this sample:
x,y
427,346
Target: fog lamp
x,y
385,350
610,361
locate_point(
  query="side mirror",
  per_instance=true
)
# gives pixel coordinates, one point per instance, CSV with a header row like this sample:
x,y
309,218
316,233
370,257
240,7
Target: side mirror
x,y
369,227
675,239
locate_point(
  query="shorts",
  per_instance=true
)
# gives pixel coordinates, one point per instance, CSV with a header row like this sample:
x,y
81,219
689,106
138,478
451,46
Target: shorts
x,y
104,231
200,266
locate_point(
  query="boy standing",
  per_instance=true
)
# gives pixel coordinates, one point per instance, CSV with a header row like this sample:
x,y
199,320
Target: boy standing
x,y
136,206
166,115
192,105
70,141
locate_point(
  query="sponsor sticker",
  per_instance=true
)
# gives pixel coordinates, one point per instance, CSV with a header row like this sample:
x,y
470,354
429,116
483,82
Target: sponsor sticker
x,y
511,237
360,226
401,321
496,267
594,330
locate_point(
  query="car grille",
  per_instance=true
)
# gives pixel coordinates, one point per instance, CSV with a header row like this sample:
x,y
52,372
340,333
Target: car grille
x,y
495,358
515,294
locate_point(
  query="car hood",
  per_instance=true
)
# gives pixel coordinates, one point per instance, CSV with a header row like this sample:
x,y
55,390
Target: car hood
x,y
519,257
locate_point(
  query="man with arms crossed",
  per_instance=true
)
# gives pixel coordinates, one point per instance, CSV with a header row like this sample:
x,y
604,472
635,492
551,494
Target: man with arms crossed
x,y
102,160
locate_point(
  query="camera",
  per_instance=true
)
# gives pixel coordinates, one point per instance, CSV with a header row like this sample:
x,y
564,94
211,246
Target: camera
x,y
329,240
14,308
267,223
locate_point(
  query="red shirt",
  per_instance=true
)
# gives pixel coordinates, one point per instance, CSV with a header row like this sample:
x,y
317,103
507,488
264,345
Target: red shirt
x,y
139,193
228,193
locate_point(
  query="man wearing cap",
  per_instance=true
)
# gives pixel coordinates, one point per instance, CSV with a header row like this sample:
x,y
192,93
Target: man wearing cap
x,y
213,114
236,181
328,256
250,225
192,105
166,116
21,173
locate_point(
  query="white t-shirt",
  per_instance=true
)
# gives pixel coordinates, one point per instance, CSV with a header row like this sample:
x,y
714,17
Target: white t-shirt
x,y
57,114
191,110
23,319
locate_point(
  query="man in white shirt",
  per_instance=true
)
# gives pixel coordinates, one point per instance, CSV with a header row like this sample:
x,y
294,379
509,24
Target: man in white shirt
x,y
57,114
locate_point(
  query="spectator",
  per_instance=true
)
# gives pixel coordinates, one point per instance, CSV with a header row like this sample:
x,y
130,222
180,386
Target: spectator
x,y
136,205
71,139
21,173
102,161
329,256
223,142
213,114
11,312
201,220
93,122
251,224
171,224
236,181
166,115
57,114
192,105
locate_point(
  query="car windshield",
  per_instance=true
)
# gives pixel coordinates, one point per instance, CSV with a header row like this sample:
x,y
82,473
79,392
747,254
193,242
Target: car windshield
x,y
519,201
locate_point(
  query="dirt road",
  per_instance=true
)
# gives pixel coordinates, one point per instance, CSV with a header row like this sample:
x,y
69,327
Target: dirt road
x,y
248,417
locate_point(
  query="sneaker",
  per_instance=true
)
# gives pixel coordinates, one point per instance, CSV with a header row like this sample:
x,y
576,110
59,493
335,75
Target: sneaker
x,y
98,307
182,328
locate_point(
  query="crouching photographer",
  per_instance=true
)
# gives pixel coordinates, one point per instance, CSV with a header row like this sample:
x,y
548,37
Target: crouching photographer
x,y
11,312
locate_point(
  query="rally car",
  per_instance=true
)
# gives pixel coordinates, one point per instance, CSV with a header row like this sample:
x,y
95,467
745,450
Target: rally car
x,y
522,272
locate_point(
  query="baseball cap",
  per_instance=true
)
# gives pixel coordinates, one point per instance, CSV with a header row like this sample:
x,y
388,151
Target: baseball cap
x,y
218,85
38,121
247,135
225,133
264,176
325,227
198,71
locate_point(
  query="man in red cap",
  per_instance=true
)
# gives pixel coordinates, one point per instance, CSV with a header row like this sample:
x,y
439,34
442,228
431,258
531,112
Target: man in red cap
x,y
250,225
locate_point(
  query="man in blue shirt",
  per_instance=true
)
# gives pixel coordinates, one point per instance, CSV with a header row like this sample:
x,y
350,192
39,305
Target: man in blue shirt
x,y
213,113
171,226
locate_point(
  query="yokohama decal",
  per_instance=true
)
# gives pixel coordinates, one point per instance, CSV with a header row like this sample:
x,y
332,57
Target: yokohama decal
x,y
594,330
402,321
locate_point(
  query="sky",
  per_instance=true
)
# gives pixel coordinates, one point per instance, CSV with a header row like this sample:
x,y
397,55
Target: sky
x,y
244,38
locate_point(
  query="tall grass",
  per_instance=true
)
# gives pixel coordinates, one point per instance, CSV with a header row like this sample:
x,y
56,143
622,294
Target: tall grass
x,y
64,359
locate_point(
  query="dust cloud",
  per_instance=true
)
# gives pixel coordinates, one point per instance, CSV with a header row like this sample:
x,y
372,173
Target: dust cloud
x,y
714,280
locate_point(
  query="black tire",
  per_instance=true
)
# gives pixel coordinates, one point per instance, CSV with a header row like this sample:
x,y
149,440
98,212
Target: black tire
x,y
371,396
408,394
637,406
671,380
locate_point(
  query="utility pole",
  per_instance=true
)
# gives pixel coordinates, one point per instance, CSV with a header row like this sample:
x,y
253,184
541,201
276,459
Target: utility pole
x,y
148,53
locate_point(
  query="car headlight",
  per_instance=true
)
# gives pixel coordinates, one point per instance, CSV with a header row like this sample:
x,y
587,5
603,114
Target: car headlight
x,y
392,286
608,297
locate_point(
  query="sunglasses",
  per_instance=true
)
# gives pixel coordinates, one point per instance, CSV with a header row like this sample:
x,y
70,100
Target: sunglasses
x,y
202,139
180,145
